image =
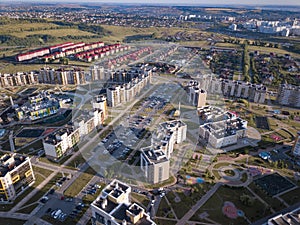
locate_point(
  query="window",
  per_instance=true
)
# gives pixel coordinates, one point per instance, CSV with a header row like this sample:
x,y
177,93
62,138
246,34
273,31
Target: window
x,y
99,218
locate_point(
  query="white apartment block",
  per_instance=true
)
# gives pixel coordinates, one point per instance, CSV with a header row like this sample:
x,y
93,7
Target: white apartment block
x,y
155,165
100,102
58,143
113,207
289,95
16,175
155,159
234,89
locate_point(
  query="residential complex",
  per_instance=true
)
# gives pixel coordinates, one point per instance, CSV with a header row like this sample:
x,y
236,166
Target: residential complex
x,y
296,148
18,79
114,207
62,76
289,95
38,106
226,130
60,142
16,175
155,159
229,88
285,28
197,96
128,85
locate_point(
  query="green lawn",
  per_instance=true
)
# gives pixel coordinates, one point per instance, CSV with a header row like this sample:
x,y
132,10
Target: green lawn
x,y
182,207
79,183
28,209
165,222
273,202
140,199
8,221
41,171
291,197
214,206
44,190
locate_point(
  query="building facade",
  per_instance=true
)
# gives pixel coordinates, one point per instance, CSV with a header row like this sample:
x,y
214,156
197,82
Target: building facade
x,y
155,159
289,95
220,128
16,175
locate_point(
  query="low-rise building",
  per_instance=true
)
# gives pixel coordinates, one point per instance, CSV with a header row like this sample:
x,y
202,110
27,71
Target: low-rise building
x,y
222,129
16,175
114,207
39,106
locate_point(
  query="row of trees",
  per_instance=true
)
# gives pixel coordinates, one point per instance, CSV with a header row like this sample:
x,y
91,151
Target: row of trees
x,y
246,62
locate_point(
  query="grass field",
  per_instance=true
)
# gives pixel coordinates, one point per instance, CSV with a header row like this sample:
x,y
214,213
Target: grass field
x,y
80,183
214,206
8,221
21,27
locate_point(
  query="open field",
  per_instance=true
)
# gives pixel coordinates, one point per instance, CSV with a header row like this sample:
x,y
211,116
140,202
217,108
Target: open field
x,y
21,27
55,33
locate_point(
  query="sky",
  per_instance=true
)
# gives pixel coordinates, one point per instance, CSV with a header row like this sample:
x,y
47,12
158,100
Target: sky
x,y
179,2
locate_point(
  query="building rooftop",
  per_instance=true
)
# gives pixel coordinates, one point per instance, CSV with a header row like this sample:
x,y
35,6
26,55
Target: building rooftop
x,y
9,161
154,155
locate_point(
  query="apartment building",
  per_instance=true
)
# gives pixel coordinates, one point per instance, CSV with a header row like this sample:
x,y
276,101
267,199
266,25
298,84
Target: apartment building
x,y
16,175
296,148
124,93
252,92
58,143
113,207
155,164
197,96
86,122
221,130
100,102
70,76
18,79
177,127
155,159
228,88
289,95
